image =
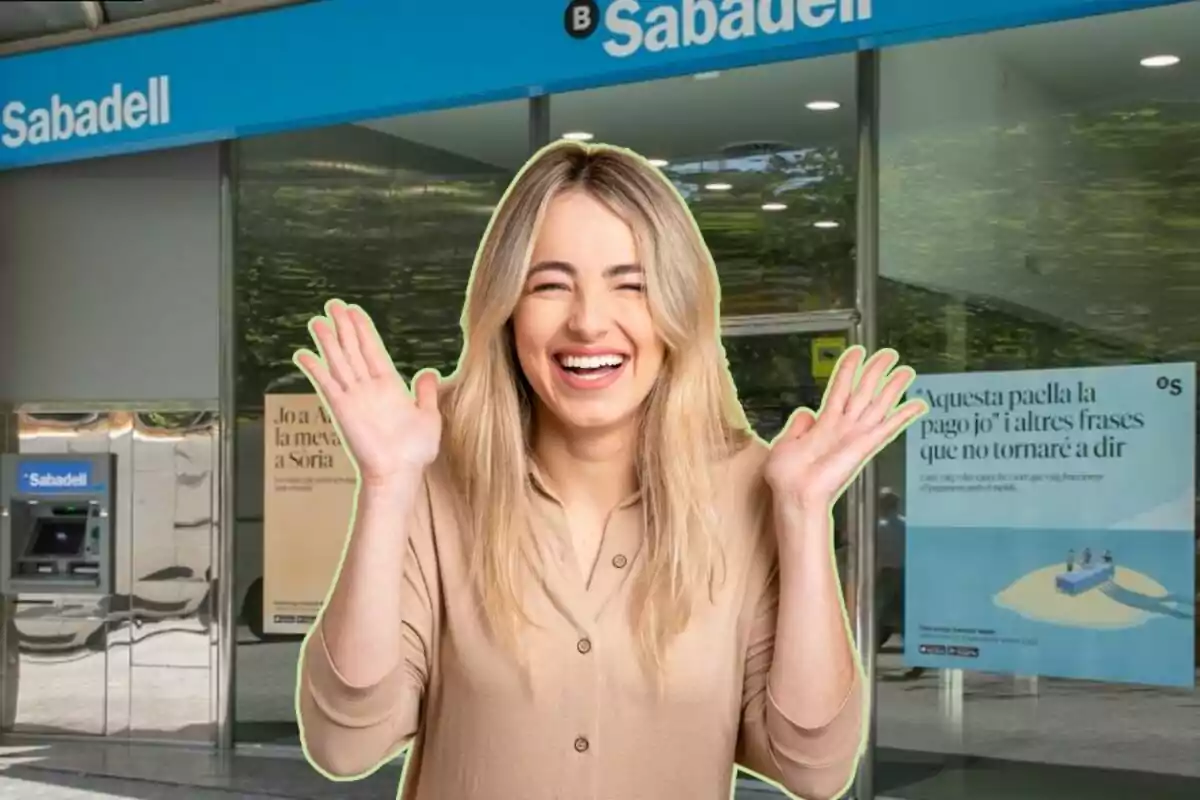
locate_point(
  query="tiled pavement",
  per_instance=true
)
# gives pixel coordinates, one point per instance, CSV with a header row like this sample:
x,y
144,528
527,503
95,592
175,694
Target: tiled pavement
x,y
83,771
1094,728
78,787
78,771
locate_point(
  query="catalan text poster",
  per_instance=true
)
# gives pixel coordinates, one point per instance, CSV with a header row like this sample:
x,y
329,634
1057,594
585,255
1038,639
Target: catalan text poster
x,y
308,499
1050,524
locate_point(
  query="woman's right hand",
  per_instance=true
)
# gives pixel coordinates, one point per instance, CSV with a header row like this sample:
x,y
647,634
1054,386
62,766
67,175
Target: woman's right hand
x,y
388,431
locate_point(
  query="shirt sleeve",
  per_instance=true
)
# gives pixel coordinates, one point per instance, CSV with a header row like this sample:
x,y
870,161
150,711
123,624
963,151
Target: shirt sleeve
x,y
348,730
816,760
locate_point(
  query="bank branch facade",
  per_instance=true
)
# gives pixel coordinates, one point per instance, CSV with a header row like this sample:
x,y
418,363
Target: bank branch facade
x,y
1005,191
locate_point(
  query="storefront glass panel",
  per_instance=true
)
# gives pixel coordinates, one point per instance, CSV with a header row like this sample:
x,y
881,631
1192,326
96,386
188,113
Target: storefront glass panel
x,y
1040,210
765,157
386,214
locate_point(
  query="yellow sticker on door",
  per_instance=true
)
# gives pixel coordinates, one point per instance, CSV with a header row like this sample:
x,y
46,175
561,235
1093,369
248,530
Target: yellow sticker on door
x,y
826,350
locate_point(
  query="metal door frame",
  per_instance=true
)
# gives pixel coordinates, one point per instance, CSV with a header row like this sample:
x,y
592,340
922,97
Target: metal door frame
x,y
859,326
860,577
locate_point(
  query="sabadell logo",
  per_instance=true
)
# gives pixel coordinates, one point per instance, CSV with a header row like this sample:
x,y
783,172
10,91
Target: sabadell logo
x,y
57,480
629,26
60,119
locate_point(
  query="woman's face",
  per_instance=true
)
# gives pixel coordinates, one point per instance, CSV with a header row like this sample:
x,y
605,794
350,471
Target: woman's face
x,y
583,332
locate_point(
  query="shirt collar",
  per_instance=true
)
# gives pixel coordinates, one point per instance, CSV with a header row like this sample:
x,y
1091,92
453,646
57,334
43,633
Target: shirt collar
x,y
541,484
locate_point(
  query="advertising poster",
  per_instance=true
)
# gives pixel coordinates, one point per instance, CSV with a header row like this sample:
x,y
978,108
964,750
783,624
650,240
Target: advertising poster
x,y
308,496
1050,520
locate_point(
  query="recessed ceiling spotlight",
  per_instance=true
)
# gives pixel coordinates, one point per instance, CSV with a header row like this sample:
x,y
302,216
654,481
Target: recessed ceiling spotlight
x,y
823,105
658,162
774,206
579,136
1156,62
718,187
825,223
707,76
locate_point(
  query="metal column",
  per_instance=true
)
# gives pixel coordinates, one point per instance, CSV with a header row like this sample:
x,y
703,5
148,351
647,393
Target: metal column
x,y
539,122
225,616
863,499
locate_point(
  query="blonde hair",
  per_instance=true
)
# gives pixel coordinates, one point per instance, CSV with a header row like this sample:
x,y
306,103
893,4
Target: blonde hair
x,y
691,421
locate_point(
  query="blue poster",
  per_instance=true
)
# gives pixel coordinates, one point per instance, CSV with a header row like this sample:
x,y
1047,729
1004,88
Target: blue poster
x,y
1050,520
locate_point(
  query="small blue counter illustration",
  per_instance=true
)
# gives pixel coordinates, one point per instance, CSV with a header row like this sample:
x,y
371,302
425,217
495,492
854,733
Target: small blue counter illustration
x,y
1081,580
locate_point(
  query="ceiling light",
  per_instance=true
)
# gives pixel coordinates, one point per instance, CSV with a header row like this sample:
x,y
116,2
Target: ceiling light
x,y
825,223
658,162
823,105
718,187
579,136
1160,61
774,206
707,76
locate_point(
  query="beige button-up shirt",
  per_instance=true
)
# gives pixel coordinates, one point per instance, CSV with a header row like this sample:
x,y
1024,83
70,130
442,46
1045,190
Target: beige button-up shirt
x,y
585,724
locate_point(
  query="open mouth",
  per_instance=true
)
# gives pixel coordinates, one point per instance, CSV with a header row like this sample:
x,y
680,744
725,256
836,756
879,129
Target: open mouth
x,y
591,367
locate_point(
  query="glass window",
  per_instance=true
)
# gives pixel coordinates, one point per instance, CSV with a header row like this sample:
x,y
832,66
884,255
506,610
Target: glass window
x,y
771,184
1040,209
778,372
765,157
386,214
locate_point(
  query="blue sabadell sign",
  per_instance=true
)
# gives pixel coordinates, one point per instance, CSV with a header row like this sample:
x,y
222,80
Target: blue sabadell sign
x,y
334,61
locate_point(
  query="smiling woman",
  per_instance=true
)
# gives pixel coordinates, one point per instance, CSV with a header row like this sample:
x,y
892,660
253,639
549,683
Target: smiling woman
x,y
584,323
618,271
586,484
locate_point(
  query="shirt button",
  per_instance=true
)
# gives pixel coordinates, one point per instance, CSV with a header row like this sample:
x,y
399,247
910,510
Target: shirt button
x,y
619,561
584,646
581,745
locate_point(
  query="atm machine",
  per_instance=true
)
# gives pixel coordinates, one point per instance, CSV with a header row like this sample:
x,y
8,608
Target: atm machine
x,y
56,523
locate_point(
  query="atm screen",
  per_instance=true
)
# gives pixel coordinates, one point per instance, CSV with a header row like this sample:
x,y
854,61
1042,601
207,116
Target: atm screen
x,y
58,538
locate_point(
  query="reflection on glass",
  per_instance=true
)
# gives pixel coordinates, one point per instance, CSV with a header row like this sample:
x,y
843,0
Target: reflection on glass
x,y
397,237
776,374
771,185
387,215
138,662
1034,216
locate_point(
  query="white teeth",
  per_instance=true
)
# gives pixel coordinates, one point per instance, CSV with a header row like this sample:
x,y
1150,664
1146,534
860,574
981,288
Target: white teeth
x,y
592,362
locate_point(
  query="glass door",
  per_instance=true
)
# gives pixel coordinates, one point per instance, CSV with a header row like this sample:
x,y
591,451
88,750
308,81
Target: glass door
x,y
782,362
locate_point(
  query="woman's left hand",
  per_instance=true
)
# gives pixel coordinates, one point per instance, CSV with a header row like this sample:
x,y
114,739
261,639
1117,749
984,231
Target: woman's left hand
x,y
816,456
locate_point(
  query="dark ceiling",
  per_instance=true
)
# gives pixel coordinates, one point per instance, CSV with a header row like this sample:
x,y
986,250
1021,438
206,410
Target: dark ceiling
x,y
34,25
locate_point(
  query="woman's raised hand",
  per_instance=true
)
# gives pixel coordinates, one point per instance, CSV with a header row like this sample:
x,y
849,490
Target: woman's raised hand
x,y
389,432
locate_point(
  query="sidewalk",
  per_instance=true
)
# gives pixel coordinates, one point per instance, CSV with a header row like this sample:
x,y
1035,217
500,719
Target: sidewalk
x,y
112,771
104,771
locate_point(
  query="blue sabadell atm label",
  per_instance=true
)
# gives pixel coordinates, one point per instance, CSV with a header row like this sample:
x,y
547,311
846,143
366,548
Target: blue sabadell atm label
x,y
35,477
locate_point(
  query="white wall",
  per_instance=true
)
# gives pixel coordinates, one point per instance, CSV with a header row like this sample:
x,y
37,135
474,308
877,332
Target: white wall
x,y
109,279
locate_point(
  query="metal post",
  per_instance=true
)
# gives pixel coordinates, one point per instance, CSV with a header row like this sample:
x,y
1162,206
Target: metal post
x,y
539,122
225,617
950,702
867,276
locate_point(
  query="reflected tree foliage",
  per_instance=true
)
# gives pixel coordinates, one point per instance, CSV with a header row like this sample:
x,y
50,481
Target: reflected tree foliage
x,y
1063,240
776,261
400,241
1056,241
774,376
400,244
